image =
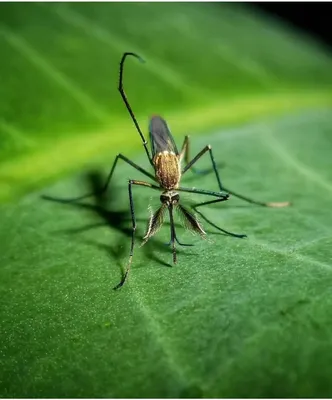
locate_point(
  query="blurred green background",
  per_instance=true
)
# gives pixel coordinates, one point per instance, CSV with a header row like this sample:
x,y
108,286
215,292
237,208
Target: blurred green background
x,y
235,318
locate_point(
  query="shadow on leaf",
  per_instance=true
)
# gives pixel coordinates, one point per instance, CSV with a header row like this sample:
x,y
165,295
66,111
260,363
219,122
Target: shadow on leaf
x,y
105,206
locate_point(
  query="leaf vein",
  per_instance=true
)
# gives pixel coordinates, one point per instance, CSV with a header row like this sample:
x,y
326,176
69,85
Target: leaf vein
x,y
22,46
273,144
158,68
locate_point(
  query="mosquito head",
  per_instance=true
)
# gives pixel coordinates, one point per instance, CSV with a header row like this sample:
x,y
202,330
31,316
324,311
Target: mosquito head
x,y
170,198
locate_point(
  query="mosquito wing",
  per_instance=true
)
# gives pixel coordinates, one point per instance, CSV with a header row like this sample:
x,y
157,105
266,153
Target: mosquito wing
x,y
161,137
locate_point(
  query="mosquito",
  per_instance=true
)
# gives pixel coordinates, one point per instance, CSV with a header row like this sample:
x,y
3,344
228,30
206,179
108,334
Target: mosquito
x,y
166,161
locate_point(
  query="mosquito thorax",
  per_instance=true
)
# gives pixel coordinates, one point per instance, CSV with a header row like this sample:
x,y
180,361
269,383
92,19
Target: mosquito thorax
x,y
170,198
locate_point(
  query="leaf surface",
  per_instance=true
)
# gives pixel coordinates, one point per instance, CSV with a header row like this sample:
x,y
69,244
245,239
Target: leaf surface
x,y
235,317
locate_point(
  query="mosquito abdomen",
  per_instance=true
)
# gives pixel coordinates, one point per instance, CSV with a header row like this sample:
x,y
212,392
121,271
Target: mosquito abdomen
x,y
167,169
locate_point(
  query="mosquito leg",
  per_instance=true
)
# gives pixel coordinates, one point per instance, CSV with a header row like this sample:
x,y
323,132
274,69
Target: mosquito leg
x,y
179,243
260,203
185,151
190,164
211,223
133,219
124,98
221,196
108,180
182,244
222,188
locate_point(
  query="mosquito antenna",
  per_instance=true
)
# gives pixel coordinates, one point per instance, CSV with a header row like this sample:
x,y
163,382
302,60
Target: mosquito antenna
x,y
124,97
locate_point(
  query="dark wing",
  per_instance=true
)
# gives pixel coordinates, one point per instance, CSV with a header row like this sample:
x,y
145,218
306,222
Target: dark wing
x,y
161,137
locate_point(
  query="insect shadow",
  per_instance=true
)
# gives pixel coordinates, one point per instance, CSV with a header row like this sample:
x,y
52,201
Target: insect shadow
x,y
104,205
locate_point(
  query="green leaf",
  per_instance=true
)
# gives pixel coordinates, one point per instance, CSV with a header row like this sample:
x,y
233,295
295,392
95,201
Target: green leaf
x,y
235,317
